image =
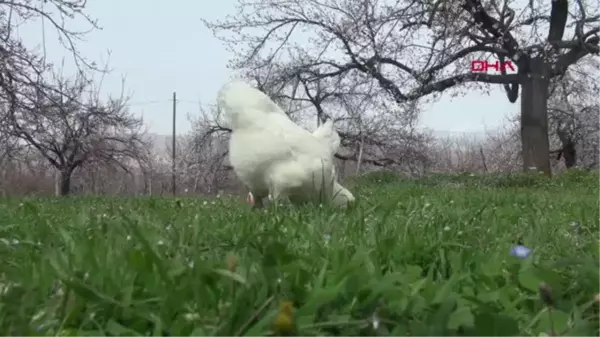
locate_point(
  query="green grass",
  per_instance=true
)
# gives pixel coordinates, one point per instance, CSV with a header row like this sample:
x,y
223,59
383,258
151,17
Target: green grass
x,y
420,257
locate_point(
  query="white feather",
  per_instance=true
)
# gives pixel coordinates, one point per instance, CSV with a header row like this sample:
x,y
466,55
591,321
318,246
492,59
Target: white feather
x,y
327,133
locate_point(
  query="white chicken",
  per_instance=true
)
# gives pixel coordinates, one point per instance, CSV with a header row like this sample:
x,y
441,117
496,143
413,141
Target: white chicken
x,y
272,155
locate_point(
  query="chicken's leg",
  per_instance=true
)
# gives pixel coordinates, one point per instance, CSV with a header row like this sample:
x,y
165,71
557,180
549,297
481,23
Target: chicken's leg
x,y
275,195
258,202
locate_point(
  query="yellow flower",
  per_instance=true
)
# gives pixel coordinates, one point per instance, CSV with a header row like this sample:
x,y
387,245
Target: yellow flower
x,y
231,263
284,323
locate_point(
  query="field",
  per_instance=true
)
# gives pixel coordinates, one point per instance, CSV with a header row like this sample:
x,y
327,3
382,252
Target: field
x,y
421,257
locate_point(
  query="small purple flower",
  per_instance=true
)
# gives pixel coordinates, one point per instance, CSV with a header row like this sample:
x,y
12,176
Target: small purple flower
x,y
520,251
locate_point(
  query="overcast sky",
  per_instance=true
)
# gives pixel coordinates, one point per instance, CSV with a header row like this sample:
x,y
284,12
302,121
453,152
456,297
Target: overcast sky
x,y
162,47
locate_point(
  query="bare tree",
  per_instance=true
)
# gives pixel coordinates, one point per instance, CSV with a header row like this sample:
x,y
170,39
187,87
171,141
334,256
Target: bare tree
x,y
69,126
415,48
22,66
573,111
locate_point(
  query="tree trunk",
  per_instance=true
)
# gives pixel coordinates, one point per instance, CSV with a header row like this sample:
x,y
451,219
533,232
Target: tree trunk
x,y
534,118
63,184
569,154
568,150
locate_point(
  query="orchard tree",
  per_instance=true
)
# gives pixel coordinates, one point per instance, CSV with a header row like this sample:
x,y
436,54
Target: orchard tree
x,y
70,126
573,114
414,48
22,64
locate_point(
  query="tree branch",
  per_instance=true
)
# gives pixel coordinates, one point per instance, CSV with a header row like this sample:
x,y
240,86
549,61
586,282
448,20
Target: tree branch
x,y
469,77
575,54
495,27
558,20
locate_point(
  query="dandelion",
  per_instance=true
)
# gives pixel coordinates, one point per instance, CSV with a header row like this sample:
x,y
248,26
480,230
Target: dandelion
x,y
284,323
520,251
231,263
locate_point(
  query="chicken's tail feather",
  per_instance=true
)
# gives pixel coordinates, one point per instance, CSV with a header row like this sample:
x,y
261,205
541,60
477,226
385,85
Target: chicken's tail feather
x,y
327,133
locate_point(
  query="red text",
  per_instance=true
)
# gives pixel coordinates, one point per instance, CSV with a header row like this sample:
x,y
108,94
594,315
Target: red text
x,y
481,66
